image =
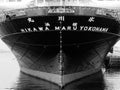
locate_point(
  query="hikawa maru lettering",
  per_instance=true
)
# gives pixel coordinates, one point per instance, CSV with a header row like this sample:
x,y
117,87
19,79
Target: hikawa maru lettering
x,y
65,28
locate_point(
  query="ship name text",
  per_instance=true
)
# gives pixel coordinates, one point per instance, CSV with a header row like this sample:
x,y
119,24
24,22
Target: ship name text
x,y
65,28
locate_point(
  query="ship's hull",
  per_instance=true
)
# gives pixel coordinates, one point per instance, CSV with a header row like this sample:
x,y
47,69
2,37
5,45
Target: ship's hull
x,y
60,48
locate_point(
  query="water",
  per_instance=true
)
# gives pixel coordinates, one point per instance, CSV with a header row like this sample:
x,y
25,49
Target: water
x,y
12,79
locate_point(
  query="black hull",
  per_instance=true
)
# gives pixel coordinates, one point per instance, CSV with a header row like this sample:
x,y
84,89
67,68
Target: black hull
x,y
60,49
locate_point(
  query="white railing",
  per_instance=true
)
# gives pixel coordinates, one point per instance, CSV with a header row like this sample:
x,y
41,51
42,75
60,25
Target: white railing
x,y
59,2
42,3
47,3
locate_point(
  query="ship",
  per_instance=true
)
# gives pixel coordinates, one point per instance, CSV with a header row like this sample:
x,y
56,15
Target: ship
x,y
60,42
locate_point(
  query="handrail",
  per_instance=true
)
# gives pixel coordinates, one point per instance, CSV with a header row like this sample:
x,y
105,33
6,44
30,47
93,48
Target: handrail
x,y
80,10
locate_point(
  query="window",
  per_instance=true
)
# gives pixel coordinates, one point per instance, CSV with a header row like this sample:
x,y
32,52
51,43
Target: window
x,y
11,0
40,1
19,0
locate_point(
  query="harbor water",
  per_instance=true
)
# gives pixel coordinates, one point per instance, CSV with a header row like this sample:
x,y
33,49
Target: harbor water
x,y
12,79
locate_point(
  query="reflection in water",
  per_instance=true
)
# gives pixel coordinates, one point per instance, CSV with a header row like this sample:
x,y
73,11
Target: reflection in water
x,y
92,82
12,79
27,82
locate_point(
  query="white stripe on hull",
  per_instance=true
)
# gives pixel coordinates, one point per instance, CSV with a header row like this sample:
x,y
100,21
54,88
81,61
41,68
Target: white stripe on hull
x,y
61,80
55,78
71,77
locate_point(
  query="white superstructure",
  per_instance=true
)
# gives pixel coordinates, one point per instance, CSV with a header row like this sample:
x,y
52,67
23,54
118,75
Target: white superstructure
x,y
41,3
